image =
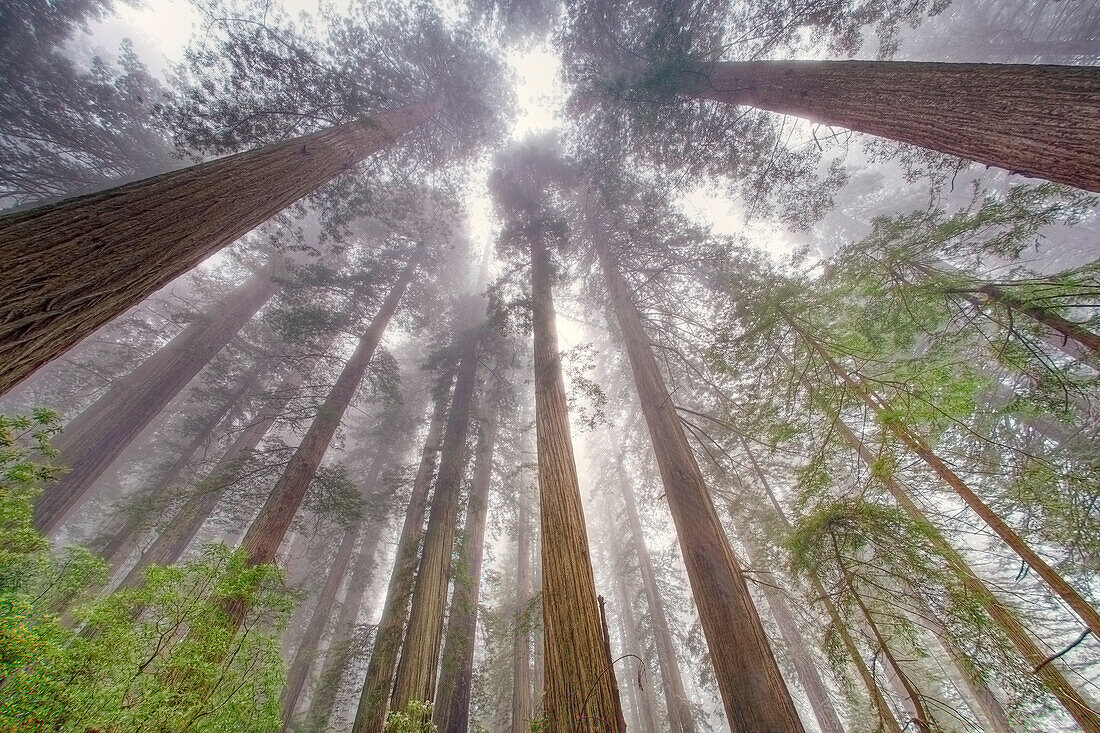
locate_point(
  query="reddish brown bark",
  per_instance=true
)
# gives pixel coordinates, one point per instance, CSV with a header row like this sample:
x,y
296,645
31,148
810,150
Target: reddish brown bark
x,y
752,687
416,671
1041,121
266,532
181,530
676,700
580,692
917,445
92,440
452,709
69,267
371,712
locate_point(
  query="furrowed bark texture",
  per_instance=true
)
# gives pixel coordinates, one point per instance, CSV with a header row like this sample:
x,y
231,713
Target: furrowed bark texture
x,y
521,646
1041,121
68,268
121,533
452,710
371,712
886,716
1089,615
97,436
321,705
676,699
1005,618
304,655
580,690
755,696
416,672
180,532
263,537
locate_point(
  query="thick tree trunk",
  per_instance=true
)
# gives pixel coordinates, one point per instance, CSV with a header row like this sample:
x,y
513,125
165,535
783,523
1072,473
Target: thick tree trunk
x,y
1041,121
68,268
580,691
676,699
338,654
887,720
416,671
122,531
917,445
300,665
752,687
181,530
452,709
371,712
1002,615
97,436
521,645
264,536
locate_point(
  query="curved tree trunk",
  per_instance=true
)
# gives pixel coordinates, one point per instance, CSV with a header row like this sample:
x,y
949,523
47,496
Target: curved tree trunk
x,y
580,689
416,672
371,712
676,699
178,533
67,268
1041,121
97,436
452,709
752,687
917,445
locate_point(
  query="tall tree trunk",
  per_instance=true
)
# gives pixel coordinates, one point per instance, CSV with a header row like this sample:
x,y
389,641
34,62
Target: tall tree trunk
x,y
805,667
1042,121
752,687
886,717
338,655
67,268
580,692
97,436
181,530
452,709
371,711
645,714
521,645
911,697
1002,615
416,671
300,665
917,445
263,537
676,699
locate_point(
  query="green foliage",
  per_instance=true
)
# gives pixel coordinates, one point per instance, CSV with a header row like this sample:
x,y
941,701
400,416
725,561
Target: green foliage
x,y
159,657
416,717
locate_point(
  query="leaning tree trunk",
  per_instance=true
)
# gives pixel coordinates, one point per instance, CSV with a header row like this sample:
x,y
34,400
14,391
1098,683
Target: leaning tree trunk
x,y
123,530
452,709
97,436
68,268
416,672
521,644
1002,615
676,699
887,720
300,665
179,532
580,687
752,687
917,445
371,712
1041,121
